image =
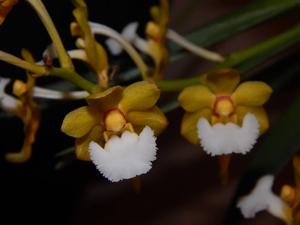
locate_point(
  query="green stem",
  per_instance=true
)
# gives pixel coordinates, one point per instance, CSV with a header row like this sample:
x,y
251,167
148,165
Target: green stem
x,y
177,85
259,53
49,25
73,77
11,59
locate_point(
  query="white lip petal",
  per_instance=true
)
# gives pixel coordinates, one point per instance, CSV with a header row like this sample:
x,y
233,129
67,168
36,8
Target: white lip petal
x,y
228,138
262,198
125,157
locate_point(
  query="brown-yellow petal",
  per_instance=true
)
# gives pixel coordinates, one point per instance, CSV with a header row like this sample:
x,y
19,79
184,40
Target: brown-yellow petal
x,y
32,120
107,99
139,96
252,93
258,112
196,97
189,124
82,144
5,8
153,118
80,121
222,82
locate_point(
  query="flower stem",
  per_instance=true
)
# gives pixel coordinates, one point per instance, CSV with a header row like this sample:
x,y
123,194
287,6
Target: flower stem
x,y
49,25
11,59
177,85
73,77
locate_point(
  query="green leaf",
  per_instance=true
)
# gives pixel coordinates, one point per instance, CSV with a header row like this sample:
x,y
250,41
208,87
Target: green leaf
x,y
248,58
278,146
248,16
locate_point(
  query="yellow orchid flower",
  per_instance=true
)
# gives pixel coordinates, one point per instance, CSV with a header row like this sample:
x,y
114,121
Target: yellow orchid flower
x,y
5,8
27,110
117,129
223,116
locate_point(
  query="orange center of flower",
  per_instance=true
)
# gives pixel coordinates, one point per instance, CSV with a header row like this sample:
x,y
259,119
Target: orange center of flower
x,y
223,106
114,120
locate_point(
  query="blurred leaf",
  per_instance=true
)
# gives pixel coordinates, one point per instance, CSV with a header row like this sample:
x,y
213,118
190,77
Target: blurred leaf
x,y
248,58
279,146
248,16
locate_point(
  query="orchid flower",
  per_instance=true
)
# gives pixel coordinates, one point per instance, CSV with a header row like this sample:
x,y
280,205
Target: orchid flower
x,y
118,129
262,198
223,117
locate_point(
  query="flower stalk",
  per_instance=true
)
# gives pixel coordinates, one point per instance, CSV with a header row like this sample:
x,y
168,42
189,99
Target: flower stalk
x,y
43,14
11,59
74,78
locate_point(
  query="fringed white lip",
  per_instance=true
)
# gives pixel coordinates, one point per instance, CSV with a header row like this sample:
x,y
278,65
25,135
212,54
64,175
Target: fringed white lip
x,y
125,157
262,198
228,138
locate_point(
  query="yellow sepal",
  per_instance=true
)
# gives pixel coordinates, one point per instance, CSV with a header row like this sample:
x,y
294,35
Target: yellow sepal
x,y
252,93
197,97
105,100
189,124
222,82
153,118
139,96
82,144
258,112
80,121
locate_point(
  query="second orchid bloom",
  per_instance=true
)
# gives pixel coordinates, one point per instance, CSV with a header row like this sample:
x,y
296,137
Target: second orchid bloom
x,y
222,116
118,129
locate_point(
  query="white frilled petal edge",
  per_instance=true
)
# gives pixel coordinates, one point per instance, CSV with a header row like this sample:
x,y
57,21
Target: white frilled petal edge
x,y
125,157
228,138
262,198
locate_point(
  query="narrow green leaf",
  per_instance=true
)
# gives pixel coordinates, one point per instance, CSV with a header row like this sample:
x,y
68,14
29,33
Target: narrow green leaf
x,y
248,16
250,57
278,146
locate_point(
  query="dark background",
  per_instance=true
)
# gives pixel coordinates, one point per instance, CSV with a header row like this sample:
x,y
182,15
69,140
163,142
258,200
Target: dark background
x,y
183,186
